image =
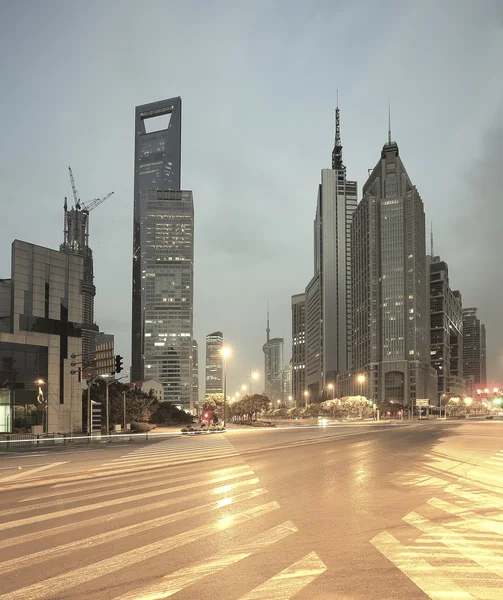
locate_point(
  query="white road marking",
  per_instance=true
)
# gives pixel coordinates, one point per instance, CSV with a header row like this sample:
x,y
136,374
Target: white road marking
x,y
120,486
27,473
28,560
61,583
418,570
290,581
115,502
183,578
128,512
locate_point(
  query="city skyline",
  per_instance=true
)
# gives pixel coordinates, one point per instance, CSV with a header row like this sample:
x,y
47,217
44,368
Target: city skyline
x,y
257,160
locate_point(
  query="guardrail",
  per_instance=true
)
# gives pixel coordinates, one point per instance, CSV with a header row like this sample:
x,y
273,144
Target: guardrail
x,y
11,441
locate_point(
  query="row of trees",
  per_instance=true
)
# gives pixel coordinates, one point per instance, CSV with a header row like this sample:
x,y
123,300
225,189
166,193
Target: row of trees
x,y
141,407
252,405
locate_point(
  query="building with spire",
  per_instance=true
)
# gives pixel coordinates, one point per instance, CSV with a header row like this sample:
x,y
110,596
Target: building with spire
x,y
273,362
391,349
328,295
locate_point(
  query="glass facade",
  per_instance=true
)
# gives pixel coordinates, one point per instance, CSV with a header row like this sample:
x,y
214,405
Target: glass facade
x,y
298,348
157,167
214,364
20,367
167,276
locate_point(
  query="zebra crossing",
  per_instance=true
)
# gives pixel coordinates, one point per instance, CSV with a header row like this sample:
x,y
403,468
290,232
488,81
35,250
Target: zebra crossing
x,y
452,547
161,534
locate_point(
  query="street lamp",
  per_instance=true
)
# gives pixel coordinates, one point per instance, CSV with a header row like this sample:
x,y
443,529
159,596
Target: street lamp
x,y
225,352
45,405
253,375
361,379
331,386
306,396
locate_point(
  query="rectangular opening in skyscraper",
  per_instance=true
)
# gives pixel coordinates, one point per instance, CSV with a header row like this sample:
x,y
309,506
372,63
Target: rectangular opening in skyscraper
x,y
157,123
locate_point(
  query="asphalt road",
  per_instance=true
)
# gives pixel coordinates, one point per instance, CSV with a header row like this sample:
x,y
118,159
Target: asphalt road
x,y
354,513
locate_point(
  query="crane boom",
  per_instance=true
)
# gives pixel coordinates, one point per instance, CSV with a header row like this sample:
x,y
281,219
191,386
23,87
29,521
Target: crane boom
x,y
74,189
95,203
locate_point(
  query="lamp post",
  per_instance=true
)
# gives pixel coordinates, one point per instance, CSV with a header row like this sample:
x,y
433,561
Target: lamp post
x,y
331,386
225,353
306,396
253,375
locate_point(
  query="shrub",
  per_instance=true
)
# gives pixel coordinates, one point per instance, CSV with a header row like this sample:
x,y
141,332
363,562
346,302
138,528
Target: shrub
x,y
141,427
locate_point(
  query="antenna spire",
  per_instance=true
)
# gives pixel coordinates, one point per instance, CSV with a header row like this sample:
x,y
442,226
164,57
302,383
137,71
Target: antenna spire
x,y
337,151
268,331
389,123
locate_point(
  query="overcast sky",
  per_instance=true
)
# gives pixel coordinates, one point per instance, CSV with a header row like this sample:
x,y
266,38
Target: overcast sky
x,y
258,82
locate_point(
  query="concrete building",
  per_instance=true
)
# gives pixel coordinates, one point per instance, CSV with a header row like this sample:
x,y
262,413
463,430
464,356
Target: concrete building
x,y
163,256
298,348
76,242
474,351
40,328
195,372
446,336
104,359
391,323
214,365
103,338
328,294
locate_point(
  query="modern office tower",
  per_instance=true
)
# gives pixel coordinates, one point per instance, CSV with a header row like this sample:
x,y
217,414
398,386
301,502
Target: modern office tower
x,y
287,390
195,372
40,328
391,322
328,294
446,335
103,338
163,255
214,365
474,355
298,348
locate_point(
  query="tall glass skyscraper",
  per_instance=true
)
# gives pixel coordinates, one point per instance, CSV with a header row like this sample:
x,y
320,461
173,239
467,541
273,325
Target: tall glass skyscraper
x,y
328,294
390,281
163,256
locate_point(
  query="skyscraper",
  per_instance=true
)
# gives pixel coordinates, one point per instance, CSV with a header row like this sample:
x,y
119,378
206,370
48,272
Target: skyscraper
x,y
298,348
474,351
446,322
195,372
328,294
163,255
214,365
273,361
389,278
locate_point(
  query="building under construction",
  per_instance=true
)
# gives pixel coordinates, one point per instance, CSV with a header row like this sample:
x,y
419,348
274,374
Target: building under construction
x,y
76,241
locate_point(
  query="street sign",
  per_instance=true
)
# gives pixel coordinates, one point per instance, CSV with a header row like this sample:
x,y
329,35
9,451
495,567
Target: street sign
x,y
96,416
422,402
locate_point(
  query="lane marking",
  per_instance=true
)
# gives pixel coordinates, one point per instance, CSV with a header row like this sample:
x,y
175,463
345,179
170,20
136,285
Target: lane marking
x,y
486,558
290,581
425,576
183,578
62,583
29,560
26,473
128,512
118,489
116,501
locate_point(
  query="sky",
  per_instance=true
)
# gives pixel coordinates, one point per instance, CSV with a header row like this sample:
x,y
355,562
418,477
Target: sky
x,y
258,81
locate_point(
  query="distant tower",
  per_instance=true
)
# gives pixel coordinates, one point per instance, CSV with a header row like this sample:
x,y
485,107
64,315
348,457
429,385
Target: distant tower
x,y
214,383
76,241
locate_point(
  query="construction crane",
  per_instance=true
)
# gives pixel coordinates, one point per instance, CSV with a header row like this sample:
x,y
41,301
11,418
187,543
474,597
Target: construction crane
x,y
85,207
74,190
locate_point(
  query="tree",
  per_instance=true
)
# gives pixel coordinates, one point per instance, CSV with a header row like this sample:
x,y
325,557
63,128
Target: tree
x,y
165,412
215,404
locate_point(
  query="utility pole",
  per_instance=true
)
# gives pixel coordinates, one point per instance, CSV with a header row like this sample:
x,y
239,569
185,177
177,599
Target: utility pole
x,y
124,399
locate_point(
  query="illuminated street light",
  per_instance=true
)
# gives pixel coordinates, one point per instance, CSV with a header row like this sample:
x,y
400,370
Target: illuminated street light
x,y
495,390
468,401
331,386
361,379
225,352
306,396
486,391
45,405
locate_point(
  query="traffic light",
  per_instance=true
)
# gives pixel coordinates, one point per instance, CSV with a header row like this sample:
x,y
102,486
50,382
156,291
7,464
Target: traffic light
x,y
118,363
